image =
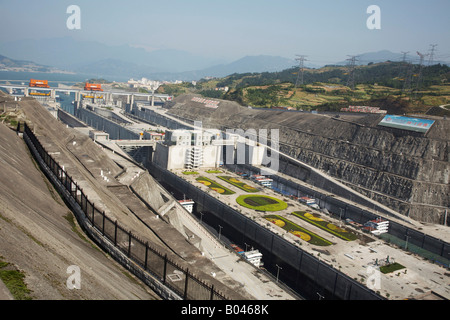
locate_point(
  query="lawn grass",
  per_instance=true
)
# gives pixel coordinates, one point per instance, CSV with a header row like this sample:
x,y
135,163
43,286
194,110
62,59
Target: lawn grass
x,y
190,172
391,268
261,203
213,171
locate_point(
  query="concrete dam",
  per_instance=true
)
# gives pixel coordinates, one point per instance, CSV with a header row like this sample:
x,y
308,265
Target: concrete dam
x,y
305,273
405,171
130,216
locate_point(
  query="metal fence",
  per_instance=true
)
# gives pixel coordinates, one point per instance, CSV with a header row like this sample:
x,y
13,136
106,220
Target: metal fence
x,y
169,273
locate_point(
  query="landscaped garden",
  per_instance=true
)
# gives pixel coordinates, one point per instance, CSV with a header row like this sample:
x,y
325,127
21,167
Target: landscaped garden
x,y
325,225
391,267
261,203
298,231
214,186
213,171
190,172
239,184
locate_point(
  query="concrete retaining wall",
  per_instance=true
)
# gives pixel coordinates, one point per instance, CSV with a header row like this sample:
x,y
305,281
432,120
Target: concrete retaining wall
x,y
116,131
155,118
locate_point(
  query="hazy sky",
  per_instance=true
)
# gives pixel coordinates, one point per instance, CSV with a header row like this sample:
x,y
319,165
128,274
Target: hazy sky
x,y
324,30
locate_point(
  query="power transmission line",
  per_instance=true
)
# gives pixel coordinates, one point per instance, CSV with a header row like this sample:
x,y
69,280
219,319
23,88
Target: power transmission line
x,y
407,73
351,71
408,79
431,59
301,60
404,55
419,77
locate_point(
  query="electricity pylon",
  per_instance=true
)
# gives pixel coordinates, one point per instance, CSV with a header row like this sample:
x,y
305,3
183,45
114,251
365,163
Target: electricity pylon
x,y
351,71
419,77
431,54
301,60
404,55
408,76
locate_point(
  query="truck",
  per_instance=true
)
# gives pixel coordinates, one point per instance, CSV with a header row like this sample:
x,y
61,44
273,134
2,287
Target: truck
x,y
93,87
39,83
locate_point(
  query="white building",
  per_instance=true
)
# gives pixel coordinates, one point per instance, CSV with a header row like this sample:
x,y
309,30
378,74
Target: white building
x,y
246,149
144,83
191,149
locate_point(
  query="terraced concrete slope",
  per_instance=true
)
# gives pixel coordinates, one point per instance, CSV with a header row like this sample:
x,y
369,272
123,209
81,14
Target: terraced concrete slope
x,y
39,236
97,174
405,171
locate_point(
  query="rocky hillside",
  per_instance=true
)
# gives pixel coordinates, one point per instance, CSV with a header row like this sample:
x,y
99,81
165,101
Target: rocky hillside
x,y
406,171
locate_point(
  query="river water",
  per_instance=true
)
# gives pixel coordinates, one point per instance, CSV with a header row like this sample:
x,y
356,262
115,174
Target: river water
x,y
23,78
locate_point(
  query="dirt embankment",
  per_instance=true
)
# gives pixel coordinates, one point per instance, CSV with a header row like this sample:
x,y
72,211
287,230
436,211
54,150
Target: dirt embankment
x,y
39,236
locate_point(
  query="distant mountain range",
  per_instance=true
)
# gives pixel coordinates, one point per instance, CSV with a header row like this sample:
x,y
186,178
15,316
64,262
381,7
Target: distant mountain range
x,y
7,64
101,60
123,62
248,64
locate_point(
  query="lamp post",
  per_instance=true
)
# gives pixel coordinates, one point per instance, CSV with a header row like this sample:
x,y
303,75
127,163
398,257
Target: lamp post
x,y
278,271
220,231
